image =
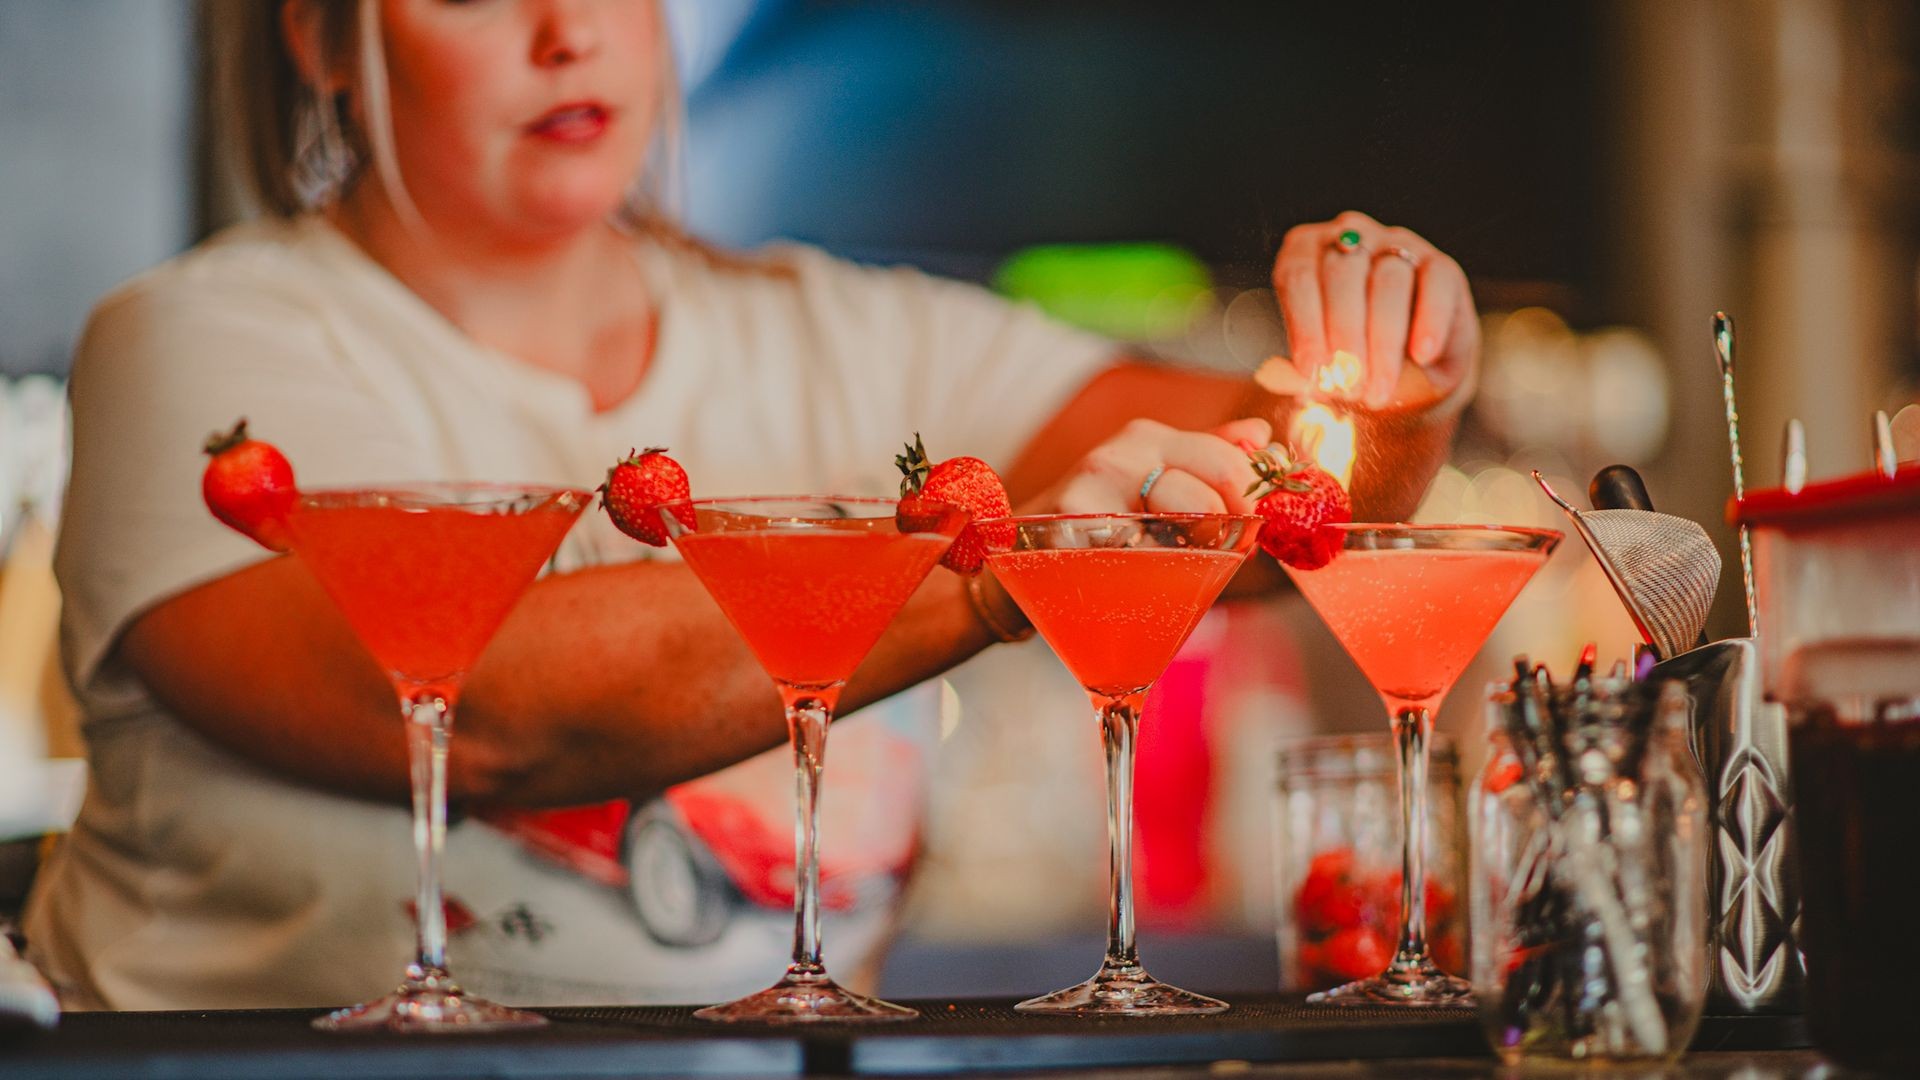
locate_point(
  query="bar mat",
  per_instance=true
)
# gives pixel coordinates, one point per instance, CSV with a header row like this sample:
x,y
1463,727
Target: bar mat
x,y
626,1041
278,1043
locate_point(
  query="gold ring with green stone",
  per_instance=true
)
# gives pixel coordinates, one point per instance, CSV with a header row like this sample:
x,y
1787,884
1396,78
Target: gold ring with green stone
x,y
1348,241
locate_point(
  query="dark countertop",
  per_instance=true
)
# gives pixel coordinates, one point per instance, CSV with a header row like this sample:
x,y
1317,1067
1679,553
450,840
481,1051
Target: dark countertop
x,y
1269,1035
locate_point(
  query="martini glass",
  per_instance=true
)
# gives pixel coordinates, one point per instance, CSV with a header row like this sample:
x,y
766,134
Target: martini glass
x,y
425,574
1412,604
1116,595
809,583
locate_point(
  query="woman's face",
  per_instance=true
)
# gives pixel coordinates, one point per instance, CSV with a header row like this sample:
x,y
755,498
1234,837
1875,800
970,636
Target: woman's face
x,y
526,118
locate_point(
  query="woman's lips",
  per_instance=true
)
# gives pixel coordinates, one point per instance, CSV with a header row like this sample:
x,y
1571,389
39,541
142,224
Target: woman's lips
x,y
577,122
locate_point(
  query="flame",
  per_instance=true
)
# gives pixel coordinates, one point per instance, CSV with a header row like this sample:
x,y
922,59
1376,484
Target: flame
x,y
1339,376
1320,432
1324,436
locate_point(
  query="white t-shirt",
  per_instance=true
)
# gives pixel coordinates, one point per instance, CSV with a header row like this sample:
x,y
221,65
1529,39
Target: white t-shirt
x,y
194,879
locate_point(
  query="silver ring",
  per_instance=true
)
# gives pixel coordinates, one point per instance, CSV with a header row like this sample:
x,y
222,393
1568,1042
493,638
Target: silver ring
x,y
1146,486
1399,252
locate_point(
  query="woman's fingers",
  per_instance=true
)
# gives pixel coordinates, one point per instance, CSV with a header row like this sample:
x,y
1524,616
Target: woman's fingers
x,y
1441,289
1343,279
1150,465
1180,492
1296,282
1387,299
1217,463
1248,433
1389,306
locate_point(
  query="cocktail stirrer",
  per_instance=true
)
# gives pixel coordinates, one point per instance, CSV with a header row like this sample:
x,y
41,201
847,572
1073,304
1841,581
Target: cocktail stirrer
x,y
1723,347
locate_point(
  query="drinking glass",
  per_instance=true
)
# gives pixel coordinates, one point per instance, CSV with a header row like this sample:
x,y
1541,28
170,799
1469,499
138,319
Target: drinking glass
x,y
1116,596
425,574
1591,934
1412,604
809,583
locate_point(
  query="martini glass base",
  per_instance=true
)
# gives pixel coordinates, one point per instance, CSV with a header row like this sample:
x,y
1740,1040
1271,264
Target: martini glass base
x,y
1123,991
805,999
1419,987
434,1004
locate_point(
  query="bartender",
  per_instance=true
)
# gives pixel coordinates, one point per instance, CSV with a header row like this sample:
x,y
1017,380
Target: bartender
x,y
460,271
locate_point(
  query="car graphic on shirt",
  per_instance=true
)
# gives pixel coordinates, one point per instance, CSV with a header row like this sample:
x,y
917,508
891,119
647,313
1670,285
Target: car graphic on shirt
x,y
708,849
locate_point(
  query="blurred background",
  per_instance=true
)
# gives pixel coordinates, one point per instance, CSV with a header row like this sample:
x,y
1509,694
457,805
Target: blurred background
x,y
1609,173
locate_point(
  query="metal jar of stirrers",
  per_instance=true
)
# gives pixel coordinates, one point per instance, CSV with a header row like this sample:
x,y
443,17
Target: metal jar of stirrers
x,y
1590,927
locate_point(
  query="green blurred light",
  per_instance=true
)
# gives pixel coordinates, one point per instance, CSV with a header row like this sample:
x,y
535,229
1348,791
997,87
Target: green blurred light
x,y
1135,292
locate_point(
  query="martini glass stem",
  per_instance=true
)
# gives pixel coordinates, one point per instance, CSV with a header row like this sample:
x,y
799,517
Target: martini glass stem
x,y
429,719
809,712
1119,723
1412,730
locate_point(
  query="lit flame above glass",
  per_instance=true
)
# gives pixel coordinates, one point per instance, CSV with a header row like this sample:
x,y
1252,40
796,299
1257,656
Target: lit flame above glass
x,y
1322,433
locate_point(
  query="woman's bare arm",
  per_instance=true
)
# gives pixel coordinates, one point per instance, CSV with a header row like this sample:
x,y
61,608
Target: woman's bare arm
x,y
609,682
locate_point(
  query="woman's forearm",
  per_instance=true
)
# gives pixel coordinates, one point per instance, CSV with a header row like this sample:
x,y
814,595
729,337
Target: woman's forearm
x,y
611,682
622,680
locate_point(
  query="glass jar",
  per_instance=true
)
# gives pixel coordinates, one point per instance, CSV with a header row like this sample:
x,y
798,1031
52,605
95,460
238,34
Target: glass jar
x,y
1590,926
1337,859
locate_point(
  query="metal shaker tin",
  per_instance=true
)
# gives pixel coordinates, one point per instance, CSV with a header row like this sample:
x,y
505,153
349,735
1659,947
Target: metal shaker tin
x,y
1741,742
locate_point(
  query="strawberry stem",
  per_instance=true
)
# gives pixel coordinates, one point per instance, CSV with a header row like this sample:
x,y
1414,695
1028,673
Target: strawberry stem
x,y
1276,473
913,466
219,443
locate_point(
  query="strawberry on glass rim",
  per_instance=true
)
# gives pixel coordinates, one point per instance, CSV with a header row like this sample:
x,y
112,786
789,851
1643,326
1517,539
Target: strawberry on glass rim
x,y
965,482
637,486
248,484
1299,500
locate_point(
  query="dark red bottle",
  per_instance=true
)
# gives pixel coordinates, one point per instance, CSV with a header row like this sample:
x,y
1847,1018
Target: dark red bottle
x,y
1856,776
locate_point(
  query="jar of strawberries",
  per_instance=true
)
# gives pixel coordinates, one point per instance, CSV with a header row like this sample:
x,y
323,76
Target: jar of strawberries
x,y
1337,859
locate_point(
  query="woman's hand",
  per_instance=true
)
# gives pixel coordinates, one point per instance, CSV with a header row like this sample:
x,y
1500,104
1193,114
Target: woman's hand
x,y
1390,298
1190,471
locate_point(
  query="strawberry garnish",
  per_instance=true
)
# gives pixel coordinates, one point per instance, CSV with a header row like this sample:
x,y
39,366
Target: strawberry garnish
x,y
965,482
636,487
1300,501
248,485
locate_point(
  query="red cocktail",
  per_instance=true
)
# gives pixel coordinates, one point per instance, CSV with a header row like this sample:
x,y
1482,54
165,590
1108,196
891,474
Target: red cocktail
x,y
425,575
1412,604
1116,596
810,583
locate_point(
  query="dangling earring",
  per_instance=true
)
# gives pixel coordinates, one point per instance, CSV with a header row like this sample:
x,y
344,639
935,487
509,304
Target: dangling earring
x,y
325,159
335,148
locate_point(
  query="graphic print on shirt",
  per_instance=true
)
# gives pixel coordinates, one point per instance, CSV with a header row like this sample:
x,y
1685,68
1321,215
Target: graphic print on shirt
x,y
720,848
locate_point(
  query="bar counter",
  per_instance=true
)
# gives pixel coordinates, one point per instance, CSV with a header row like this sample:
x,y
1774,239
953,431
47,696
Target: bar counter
x,y
1264,1036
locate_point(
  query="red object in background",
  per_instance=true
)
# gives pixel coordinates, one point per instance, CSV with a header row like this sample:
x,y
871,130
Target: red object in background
x,y
753,844
584,839
1193,727
757,850
1173,791
1345,919
459,917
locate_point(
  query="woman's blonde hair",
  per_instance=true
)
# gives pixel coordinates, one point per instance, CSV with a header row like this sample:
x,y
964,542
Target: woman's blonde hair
x,y
297,146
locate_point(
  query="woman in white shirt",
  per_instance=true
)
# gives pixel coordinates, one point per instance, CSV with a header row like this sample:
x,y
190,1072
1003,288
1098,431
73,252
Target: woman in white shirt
x,y
455,278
